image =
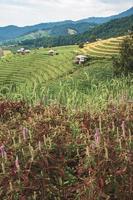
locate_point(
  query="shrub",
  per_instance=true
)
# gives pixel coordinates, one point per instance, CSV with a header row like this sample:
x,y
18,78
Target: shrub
x,y
81,45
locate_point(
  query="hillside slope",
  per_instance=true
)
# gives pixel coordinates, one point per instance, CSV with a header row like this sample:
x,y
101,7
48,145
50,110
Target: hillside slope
x,y
113,28
35,67
104,48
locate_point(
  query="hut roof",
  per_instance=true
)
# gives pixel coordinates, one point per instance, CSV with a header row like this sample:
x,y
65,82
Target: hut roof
x,y
81,56
27,51
51,51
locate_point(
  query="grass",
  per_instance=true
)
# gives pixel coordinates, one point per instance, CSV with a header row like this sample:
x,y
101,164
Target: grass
x,y
86,87
7,52
38,77
35,66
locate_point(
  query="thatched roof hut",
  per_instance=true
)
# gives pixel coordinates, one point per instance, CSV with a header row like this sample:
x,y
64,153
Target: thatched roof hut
x,y
80,59
23,51
52,52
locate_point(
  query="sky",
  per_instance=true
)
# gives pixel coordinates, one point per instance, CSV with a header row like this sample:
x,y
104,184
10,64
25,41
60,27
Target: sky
x,y
29,12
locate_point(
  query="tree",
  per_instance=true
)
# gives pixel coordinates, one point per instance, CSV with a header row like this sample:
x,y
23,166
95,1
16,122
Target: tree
x,y
124,63
81,45
92,38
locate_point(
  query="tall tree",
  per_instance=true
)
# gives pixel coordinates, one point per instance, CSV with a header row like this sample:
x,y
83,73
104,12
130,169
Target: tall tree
x,y
124,64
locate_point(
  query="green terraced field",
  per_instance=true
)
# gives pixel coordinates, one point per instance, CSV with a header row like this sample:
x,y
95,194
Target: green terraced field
x,y
37,66
38,77
104,48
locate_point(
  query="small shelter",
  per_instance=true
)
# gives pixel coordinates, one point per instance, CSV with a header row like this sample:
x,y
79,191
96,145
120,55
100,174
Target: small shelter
x,y
99,39
80,59
52,52
27,51
23,51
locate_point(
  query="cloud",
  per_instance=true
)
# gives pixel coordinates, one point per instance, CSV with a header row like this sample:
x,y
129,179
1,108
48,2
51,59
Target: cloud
x,y
28,3
116,2
24,12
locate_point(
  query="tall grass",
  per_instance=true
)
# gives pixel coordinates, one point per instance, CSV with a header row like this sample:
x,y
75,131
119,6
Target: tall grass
x,y
89,87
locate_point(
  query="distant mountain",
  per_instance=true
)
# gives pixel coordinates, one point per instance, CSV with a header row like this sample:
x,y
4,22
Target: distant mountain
x,y
54,29
49,29
11,32
71,28
114,28
101,20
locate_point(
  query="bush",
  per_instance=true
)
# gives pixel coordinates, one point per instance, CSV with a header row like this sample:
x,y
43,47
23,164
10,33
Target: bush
x,y
124,63
81,45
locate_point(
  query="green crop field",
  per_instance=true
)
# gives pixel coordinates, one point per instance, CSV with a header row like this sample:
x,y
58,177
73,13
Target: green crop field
x,y
35,67
55,79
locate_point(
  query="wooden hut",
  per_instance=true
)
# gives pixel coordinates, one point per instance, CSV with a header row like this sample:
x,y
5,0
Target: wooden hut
x,y
80,59
23,51
52,52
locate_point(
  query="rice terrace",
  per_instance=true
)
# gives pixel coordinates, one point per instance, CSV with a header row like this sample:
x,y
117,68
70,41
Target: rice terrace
x,y
66,109
104,48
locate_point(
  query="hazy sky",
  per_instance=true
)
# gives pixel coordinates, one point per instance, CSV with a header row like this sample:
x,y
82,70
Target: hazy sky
x,y
26,12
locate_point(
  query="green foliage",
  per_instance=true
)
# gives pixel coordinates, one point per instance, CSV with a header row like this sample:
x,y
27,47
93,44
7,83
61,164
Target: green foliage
x,y
81,45
56,80
92,38
124,64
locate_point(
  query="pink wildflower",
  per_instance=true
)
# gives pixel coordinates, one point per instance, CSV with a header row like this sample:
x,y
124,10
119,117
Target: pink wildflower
x,y
2,150
25,133
17,163
123,128
123,124
97,137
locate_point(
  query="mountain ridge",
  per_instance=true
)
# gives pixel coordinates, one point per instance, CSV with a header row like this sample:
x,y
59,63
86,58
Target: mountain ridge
x,y
101,20
114,28
58,28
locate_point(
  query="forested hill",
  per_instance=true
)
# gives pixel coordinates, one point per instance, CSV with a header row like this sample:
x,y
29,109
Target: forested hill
x,y
44,29
113,28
